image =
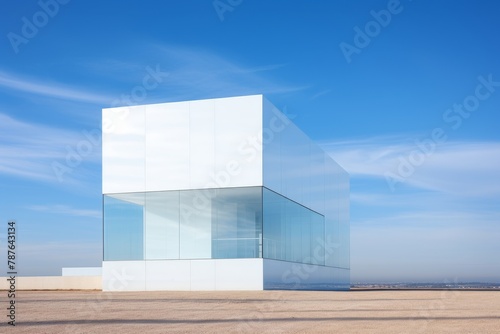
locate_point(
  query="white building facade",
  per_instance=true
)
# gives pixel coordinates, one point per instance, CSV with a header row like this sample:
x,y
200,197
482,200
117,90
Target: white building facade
x,y
220,194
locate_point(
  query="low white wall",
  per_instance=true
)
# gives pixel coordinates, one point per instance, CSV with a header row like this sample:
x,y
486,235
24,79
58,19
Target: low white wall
x,y
82,271
54,283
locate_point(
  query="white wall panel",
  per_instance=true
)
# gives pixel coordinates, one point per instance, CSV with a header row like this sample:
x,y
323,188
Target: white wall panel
x,y
123,154
202,143
168,275
203,275
183,145
239,274
123,275
167,146
238,141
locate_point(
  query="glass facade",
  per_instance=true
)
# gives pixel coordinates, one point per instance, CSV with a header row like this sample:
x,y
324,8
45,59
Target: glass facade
x,y
225,223
186,224
292,232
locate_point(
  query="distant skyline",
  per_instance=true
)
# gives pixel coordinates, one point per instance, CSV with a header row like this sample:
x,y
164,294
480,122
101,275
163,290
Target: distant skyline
x,y
404,95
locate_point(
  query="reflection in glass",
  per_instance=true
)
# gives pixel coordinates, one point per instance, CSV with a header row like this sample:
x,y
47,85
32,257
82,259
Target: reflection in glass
x,y
188,224
237,223
123,229
249,222
292,232
195,224
161,225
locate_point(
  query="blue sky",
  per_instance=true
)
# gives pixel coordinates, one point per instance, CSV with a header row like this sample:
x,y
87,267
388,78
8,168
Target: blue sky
x,y
425,172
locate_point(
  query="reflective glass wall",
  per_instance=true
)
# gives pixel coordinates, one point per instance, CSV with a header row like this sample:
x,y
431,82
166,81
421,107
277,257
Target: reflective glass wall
x,y
292,232
298,169
249,222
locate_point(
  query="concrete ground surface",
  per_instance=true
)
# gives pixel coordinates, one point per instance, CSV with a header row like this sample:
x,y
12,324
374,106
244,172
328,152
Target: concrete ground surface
x,y
390,311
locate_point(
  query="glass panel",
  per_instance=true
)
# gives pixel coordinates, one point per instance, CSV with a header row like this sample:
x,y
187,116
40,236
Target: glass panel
x,y
294,220
196,224
306,225
332,194
292,232
123,146
274,225
318,239
237,225
162,225
123,227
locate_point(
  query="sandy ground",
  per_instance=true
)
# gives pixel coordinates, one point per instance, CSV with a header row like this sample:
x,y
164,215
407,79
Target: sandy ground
x,y
255,312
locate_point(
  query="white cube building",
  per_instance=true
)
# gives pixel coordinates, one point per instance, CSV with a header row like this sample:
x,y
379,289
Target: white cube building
x,y
220,194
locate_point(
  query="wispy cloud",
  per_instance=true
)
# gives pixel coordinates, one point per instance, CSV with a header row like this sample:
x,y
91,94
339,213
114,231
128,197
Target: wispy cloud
x,y
193,73
10,81
321,93
263,68
196,73
66,210
27,150
460,168
449,201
